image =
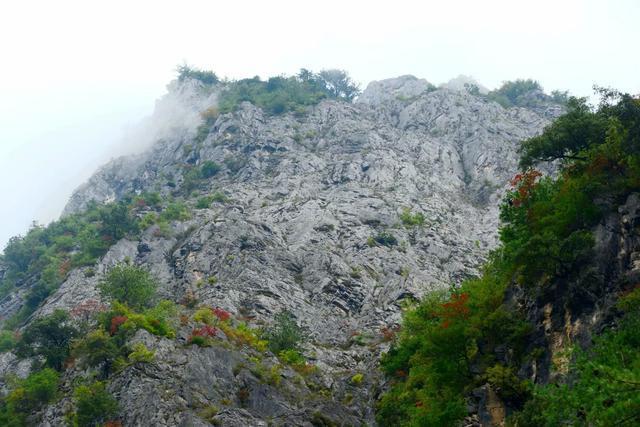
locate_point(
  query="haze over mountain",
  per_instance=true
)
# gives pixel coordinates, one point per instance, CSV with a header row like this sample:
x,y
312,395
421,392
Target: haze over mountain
x,y
267,239
70,85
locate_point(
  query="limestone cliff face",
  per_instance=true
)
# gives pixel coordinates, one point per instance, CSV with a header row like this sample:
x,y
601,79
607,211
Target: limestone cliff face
x,y
306,192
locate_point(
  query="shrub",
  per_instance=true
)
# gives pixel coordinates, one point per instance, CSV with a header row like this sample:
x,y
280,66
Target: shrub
x,y
209,169
202,336
357,379
49,253
160,320
235,163
219,197
515,93
7,341
130,285
209,414
148,220
97,348
116,322
508,386
95,405
291,357
38,389
175,211
384,238
141,354
279,95
410,219
221,314
204,315
206,77
28,396
204,202
243,335
284,333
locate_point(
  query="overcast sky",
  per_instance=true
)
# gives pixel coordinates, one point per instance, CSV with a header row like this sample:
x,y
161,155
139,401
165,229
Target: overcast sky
x,y
75,74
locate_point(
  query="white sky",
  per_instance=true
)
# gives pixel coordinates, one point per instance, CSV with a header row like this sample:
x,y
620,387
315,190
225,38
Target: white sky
x,y
74,74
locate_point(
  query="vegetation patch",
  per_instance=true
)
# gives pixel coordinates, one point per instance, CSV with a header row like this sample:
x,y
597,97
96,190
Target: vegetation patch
x,y
447,345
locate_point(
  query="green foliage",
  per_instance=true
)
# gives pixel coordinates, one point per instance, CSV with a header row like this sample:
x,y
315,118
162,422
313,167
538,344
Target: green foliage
x,y
148,220
28,396
49,337
141,354
291,357
448,343
209,414
515,93
242,335
160,320
207,77
284,333
7,341
45,255
336,82
205,202
545,231
94,405
571,136
130,285
209,169
279,95
175,211
431,362
410,219
580,128
98,348
204,315
508,386
605,389
193,176
357,379
235,163
219,197
383,238
560,97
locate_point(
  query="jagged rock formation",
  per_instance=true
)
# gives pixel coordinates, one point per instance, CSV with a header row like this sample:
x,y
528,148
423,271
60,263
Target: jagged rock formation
x,y
306,193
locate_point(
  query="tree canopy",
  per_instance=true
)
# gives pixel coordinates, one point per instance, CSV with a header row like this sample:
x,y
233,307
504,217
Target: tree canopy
x,y
130,285
281,94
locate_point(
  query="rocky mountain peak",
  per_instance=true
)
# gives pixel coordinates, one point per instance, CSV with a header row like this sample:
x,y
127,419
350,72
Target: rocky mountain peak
x,y
339,214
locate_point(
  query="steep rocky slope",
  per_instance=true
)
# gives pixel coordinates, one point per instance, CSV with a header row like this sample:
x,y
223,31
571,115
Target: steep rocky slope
x,y
306,197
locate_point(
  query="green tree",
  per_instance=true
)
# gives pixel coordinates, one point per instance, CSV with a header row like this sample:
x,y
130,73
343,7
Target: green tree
x,y
186,72
129,284
517,93
339,84
566,137
284,333
117,220
95,405
28,396
50,337
209,169
7,341
98,348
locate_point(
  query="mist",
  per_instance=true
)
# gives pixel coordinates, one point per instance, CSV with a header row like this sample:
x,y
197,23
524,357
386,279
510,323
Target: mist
x,y
75,92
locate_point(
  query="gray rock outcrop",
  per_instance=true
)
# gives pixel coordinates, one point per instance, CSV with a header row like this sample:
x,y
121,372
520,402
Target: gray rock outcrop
x,y
308,195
